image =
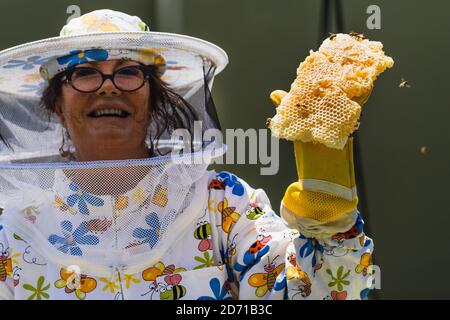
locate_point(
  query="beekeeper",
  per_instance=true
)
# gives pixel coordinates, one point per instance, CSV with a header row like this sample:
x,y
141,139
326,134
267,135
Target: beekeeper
x,y
96,208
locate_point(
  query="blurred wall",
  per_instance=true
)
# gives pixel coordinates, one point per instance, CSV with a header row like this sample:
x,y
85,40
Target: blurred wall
x,y
266,40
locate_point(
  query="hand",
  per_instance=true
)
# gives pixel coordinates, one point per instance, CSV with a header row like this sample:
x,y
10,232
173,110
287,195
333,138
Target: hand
x,y
276,97
326,185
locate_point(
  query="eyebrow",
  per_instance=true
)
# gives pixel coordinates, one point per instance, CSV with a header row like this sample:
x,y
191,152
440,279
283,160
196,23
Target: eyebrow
x,y
118,63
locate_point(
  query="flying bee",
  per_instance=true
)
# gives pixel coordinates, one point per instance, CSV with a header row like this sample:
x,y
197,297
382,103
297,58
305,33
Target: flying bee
x,y
5,263
404,84
203,233
98,226
364,264
134,244
61,205
304,111
295,272
255,213
303,289
268,122
318,266
172,292
31,213
16,275
358,36
231,250
264,282
168,292
292,258
229,216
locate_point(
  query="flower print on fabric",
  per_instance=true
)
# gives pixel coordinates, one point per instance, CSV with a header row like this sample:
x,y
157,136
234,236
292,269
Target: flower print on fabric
x,y
232,181
129,279
39,292
113,285
173,65
81,198
151,235
29,64
206,261
340,280
309,248
77,57
95,23
70,239
219,292
38,89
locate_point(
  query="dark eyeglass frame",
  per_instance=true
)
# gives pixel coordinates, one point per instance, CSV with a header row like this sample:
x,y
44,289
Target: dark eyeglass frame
x,y
67,78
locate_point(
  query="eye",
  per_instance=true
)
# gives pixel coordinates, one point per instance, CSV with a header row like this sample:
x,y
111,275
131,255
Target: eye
x,y
84,73
130,71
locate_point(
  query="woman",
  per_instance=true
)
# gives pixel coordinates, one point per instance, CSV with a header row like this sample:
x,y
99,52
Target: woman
x,y
101,226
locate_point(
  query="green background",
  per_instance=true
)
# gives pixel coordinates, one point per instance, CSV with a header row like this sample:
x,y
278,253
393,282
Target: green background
x,y
407,212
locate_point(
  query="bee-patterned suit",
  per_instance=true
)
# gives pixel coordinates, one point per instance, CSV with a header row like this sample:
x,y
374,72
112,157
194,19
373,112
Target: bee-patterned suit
x,y
231,246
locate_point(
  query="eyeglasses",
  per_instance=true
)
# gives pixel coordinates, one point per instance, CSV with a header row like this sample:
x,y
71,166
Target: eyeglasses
x,y
87,80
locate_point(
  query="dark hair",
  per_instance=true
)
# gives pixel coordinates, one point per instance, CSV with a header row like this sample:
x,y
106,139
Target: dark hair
x,y
3,140
168,110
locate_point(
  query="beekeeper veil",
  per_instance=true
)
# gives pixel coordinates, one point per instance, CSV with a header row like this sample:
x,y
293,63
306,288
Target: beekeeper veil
x,y
113,212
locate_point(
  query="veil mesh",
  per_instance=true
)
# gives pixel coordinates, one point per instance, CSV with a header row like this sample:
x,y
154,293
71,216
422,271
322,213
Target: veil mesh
x,y
109,213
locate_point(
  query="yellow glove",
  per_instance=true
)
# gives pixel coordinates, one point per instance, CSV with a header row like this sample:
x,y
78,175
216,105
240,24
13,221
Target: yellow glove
x,y
326,186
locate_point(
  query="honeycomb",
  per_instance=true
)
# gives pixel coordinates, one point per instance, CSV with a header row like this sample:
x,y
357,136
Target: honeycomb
x,y
322,105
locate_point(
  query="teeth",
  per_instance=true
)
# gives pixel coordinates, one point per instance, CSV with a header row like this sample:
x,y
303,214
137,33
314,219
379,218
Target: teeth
x,y
114,112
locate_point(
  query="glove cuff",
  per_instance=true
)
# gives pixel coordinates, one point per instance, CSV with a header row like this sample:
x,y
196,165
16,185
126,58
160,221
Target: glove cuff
x,y
317,206
326,170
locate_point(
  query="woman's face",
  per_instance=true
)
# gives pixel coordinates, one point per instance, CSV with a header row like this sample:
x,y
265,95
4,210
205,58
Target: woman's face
x,y
106,137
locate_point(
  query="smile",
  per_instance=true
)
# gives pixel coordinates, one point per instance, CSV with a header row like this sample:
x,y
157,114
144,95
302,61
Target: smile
x,y
109,113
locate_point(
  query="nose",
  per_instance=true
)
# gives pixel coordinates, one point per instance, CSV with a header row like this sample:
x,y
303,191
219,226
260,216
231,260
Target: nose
x,y
108,89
